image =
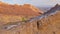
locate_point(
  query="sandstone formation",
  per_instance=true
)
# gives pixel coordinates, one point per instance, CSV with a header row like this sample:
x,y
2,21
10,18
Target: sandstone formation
x,y
12,13
49,25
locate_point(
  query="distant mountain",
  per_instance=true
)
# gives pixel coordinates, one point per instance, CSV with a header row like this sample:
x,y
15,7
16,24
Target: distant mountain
x,y
55,8
44,8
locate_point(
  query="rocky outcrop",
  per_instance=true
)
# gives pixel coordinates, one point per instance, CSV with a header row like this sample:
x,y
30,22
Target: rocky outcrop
x,y
47,25
12,13
51,24
20,10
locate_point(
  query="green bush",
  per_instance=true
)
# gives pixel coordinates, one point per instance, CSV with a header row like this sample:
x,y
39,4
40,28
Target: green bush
x,y
24,19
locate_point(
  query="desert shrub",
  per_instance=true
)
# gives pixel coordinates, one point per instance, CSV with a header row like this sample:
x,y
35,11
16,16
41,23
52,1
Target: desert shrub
x,y
24,19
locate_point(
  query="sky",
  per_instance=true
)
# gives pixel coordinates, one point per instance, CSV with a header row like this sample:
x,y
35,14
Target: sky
x,y
33,2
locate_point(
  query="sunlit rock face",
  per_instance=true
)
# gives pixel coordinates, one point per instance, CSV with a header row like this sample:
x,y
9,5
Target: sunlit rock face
x,y
49,25
25,9
12,13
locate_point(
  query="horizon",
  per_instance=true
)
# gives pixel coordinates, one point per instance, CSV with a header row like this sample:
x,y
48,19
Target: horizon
x,y
39,3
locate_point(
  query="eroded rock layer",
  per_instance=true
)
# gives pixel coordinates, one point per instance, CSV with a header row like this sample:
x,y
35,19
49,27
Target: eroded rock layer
x,y
12,13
